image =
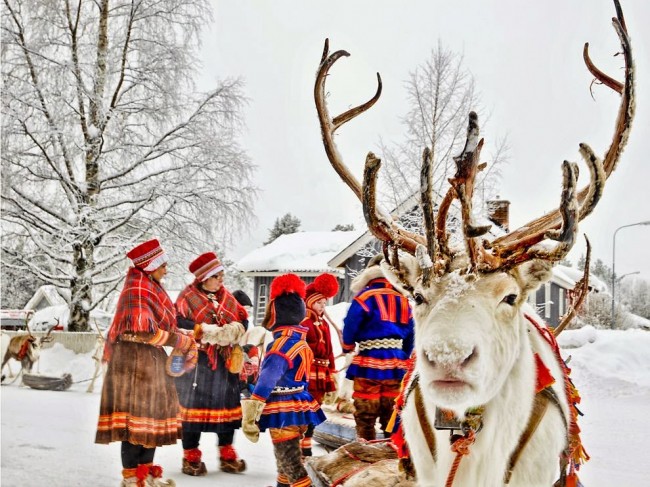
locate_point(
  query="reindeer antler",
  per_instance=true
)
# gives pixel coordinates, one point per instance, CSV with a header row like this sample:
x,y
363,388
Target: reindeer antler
x,y
561,224
379,222
432,249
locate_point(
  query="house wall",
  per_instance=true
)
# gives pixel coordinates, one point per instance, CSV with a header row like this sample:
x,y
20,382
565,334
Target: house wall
x,y
551,303
262,285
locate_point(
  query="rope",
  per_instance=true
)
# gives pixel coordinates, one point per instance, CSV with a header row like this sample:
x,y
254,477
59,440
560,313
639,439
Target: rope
x,y
461,447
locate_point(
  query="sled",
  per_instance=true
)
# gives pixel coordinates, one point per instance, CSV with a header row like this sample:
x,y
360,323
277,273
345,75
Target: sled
x,y
47,383
360,463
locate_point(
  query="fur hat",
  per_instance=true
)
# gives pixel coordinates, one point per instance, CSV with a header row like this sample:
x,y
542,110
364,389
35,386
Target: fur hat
x,y
205,266
324,286
242,298
148,256
286,305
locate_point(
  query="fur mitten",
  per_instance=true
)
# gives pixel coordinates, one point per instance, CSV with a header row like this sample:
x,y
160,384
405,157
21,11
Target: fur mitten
x,y
251,412
222,335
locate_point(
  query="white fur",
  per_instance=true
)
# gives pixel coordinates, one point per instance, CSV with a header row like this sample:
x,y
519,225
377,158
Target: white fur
x,y
465,332
227,334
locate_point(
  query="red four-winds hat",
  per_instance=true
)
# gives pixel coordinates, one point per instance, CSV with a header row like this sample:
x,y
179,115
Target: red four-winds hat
x,y
148,256
205,266
324,286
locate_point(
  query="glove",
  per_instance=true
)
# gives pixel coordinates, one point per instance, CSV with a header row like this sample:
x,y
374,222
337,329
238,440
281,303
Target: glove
x,y
251,414
348,358
222,335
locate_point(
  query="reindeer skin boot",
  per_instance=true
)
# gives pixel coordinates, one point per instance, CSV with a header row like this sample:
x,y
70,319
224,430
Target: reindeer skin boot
x,y
154,479
228,460
192,464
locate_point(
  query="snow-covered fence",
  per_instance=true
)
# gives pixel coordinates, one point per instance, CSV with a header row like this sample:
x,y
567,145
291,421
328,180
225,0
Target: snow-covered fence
x,y
78,342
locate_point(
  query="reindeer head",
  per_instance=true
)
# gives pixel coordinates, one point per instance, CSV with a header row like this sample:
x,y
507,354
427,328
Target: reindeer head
x,y
468,300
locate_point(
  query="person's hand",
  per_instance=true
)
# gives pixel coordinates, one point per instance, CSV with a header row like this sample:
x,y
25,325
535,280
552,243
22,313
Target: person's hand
x,y
251,413
191,357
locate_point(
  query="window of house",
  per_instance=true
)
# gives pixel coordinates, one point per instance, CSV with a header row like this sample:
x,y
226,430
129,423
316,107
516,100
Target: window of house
x,y
547,300
561,303
261,304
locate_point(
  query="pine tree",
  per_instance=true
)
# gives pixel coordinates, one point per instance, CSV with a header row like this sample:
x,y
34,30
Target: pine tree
x,y
348,227
283,226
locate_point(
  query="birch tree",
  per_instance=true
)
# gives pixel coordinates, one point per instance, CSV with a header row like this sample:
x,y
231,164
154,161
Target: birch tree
x,y
106,142
440,94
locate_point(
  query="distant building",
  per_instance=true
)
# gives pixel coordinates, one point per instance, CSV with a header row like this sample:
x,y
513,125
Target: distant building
x,y
345,254
303,253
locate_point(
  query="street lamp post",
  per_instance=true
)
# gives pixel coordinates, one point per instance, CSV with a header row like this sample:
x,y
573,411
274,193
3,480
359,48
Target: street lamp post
x,y
614,266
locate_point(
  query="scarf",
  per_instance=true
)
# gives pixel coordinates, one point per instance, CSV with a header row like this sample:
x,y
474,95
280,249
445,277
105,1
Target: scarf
x,y
218,308
143,306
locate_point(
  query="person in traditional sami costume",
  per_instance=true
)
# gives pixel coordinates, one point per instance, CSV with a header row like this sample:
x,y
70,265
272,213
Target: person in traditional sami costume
x,y
321,376
380,321
139,405
209,396
281,401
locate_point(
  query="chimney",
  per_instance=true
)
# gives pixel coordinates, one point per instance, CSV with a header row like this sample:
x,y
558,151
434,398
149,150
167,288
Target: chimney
x,y
498,213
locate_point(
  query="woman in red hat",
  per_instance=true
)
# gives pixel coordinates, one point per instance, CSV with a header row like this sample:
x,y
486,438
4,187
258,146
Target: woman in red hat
x,y
139,405
209,397
321,376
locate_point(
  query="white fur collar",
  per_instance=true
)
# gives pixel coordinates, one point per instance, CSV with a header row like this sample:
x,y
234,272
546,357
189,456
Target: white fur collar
x,y
362,280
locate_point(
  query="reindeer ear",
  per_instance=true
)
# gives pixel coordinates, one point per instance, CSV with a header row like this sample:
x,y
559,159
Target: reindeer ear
x,y
533,274
404,279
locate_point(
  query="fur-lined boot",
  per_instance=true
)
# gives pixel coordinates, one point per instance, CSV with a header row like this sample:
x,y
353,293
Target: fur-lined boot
x,y
289,460
154,479
228,460
365,417
135,477
192,464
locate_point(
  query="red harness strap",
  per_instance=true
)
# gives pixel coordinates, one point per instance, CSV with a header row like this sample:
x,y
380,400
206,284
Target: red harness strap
x,y
23,349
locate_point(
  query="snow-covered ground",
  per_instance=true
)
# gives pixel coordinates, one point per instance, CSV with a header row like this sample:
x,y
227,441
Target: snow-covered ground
x,y
48,436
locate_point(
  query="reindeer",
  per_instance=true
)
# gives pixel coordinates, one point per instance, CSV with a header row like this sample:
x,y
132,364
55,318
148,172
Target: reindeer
x,y
486,367
26,349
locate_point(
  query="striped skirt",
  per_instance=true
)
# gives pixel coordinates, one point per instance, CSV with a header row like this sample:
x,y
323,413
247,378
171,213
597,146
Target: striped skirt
x,y
139,403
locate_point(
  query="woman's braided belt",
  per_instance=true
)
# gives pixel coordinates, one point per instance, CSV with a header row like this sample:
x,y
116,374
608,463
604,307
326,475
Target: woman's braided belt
x,y
287,390
380,343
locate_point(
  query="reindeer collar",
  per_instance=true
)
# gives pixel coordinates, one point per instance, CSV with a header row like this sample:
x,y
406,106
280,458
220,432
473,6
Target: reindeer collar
x,y
446,420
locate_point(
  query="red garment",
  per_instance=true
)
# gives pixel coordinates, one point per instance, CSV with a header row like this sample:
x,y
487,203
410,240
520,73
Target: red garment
x,y
143,306
196,305
320,341
218,308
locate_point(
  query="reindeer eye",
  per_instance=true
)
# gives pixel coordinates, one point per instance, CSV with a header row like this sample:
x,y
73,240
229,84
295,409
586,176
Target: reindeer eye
x,y
418,298
510,299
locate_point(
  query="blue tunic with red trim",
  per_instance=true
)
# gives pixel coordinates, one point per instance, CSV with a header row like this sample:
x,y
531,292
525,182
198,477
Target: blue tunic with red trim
x,y
380,320
282,382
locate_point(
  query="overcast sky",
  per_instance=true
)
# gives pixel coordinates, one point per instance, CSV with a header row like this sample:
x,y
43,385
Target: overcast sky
x,y
526,58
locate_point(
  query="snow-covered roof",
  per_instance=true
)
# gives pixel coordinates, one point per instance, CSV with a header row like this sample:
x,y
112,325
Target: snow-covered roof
x,y
563,274
300,252
407,205
49,293
46,317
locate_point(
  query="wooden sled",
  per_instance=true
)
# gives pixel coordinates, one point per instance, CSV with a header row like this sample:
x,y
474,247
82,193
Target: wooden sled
x,y
46,383
358,464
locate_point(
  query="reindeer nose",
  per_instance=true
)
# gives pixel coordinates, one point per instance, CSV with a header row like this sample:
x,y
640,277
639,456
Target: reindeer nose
x,y
451,355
